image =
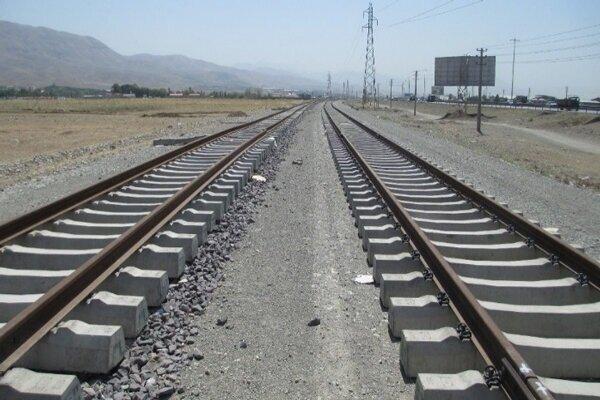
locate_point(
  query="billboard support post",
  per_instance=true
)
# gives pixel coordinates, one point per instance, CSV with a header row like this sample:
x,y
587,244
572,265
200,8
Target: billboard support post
x,y
480,62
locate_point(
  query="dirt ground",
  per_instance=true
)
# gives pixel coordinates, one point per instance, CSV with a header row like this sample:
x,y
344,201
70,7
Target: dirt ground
x,y
562,145
38,134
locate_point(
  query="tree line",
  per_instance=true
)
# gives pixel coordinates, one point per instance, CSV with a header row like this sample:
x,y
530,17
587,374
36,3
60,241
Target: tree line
x,y
130,88
48,91
138,91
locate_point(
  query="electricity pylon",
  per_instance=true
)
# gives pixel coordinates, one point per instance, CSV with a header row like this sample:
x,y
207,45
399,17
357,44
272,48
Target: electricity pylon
x,y
369,88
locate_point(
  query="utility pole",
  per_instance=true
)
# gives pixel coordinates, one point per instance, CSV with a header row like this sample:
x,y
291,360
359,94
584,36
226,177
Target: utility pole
x,y
512,84
415,109
424,85
369,87
377,94
402,94
566,92
481,51
347,89
391,84
328,85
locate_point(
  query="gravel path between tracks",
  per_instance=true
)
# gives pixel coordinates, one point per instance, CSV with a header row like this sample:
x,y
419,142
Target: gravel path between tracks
x,y
575,211
102,161
296,264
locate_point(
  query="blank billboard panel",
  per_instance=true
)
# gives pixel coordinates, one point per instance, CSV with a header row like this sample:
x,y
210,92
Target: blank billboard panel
x,y
464,71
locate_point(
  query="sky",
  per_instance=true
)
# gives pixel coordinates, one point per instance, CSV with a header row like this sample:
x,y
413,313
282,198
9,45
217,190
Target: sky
x,y
313,37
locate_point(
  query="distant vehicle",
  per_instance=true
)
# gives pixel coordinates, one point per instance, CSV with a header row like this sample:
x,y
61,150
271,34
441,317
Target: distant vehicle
x,y
431,98
412,98
568,103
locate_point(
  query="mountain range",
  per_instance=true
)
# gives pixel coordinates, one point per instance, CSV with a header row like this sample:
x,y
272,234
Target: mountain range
x,y
38,56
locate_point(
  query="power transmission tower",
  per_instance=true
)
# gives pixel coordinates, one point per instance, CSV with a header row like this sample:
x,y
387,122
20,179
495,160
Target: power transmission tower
x,y
480,63
369,89
512,84
329,85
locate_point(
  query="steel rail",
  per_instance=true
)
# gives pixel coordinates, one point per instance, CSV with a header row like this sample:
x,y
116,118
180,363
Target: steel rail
x,y
566,254
22,332
517,378
30,221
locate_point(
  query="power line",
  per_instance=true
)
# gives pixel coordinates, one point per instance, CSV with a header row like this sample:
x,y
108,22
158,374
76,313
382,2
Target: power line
x,y
552,50
561,33
423,13
412,19
501,46
388,5
536,38
552,60
355,41
555,41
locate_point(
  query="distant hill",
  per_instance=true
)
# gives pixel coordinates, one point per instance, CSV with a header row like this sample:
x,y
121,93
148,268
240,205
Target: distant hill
x,y
37,56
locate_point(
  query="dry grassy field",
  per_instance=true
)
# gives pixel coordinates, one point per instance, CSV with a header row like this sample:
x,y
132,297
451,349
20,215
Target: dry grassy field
x,y
33,127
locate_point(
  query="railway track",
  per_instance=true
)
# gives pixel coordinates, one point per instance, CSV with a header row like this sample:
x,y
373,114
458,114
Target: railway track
x,y
78,276
485,303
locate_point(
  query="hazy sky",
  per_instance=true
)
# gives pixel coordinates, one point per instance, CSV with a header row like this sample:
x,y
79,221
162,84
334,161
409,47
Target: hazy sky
x,y
314,37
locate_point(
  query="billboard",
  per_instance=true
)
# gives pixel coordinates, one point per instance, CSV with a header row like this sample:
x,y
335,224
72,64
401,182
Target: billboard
x,y
464,71
437,90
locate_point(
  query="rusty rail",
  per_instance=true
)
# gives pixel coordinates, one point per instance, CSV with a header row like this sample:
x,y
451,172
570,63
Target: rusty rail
x,y
30,221
518,379
29,326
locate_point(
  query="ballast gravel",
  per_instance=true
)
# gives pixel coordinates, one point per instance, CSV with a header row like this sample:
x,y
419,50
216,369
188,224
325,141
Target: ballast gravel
x,y
310,331
153,362
575,211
